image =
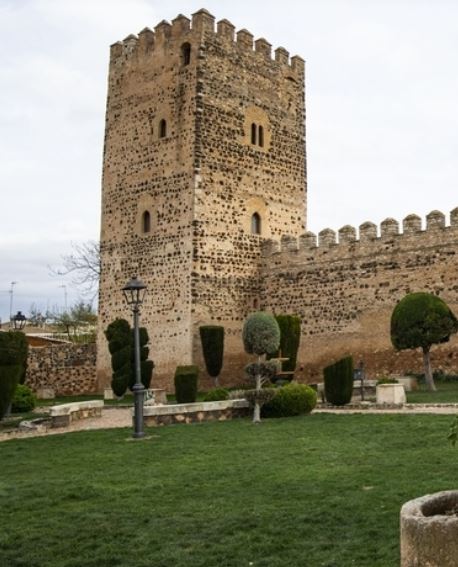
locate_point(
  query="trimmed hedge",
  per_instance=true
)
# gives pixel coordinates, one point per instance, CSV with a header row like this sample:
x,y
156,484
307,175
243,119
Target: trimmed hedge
x,y
338,382
290,400
24,399
216,395
13,360
212,339
186,378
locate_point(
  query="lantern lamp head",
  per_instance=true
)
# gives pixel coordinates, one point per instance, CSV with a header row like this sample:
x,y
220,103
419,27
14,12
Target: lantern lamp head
x,y
134,292
19,320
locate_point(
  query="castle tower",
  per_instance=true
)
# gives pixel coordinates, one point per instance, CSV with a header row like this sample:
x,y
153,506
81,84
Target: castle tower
x,y
204,158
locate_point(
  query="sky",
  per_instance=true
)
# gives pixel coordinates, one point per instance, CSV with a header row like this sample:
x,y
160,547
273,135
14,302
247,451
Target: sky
x,y
381,99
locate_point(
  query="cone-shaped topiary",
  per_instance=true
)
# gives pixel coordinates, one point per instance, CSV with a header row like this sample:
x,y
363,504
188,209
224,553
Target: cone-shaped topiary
x,y
290,336
186,378
421,320
338,381
212,339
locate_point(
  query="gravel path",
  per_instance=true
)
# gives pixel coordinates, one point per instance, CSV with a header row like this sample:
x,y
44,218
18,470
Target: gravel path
x,y
121,417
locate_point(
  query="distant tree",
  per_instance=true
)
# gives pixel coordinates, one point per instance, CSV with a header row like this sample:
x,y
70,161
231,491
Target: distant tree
x,y
79,319
421,320
83,266
36,317
261,335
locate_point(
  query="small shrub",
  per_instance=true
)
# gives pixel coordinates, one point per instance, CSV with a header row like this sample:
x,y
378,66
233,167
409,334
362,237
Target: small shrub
x,y
24,399
386,380
338,381
291,399
186,378
216,395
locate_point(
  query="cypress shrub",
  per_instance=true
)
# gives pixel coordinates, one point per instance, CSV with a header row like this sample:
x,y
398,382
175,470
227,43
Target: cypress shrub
x,y
24,399
338,381
118,334
290,336
186,384
212,339
289,400
9,379
146,366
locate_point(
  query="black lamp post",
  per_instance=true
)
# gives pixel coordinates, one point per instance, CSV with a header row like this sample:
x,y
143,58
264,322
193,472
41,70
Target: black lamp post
x,y
134,293
19,321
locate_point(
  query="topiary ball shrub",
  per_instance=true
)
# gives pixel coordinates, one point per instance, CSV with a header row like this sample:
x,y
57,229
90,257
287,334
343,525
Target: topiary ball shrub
x,y
186,378
216,395
261,334
24,399
290,400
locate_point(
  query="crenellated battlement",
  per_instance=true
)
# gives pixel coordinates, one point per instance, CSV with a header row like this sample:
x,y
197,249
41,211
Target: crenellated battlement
x,y
169,37
346,241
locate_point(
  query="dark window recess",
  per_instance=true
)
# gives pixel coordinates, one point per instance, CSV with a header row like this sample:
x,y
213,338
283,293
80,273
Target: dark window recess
x,y
186,54
253,134
255,224
146,222
162,129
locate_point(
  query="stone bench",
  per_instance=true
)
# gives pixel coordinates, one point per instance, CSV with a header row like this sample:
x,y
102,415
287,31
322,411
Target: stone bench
x,y
63,414
197,412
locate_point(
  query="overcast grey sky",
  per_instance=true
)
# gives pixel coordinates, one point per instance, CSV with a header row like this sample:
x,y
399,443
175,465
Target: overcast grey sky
x,y
382,117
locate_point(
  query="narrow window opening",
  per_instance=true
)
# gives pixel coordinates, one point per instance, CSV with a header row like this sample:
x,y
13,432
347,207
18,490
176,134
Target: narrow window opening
x,y
261,136
253,133
186,54
162,129
146,222
255,224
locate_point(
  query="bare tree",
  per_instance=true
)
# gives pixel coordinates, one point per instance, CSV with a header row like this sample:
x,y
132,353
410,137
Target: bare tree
x,y
83,265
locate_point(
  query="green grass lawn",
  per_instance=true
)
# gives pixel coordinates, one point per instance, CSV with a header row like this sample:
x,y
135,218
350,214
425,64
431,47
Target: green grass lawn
x,y
322,490
447,392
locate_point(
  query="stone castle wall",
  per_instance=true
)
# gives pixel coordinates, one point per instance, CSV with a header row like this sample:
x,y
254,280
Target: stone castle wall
x,y
67,368
345,292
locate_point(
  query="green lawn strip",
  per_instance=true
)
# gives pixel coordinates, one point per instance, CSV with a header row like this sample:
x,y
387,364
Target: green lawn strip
x,y
317,490
447,392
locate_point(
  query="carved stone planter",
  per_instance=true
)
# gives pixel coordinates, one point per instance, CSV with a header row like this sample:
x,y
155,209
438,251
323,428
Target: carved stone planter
x,y
429,531
390,394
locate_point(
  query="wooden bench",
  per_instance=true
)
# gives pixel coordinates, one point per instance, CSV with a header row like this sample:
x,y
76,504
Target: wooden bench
x,y
63,414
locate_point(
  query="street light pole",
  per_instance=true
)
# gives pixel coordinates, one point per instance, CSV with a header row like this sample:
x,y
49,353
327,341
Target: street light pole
x,y
65,296
11,303
134,293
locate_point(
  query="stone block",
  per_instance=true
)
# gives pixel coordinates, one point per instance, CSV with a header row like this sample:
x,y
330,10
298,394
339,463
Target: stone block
x,y
45,393
108,394
390,394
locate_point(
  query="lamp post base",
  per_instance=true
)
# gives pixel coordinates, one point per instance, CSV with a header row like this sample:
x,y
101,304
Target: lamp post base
x,y
139,398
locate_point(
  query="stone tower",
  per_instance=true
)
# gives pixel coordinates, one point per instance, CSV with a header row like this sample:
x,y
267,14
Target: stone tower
x,y
204,158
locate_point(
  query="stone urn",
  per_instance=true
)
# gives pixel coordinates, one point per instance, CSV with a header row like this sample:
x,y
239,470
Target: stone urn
x,y
429,531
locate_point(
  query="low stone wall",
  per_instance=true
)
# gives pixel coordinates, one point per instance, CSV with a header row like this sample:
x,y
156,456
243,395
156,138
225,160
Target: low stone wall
x,y
67,368
195,413
63,414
